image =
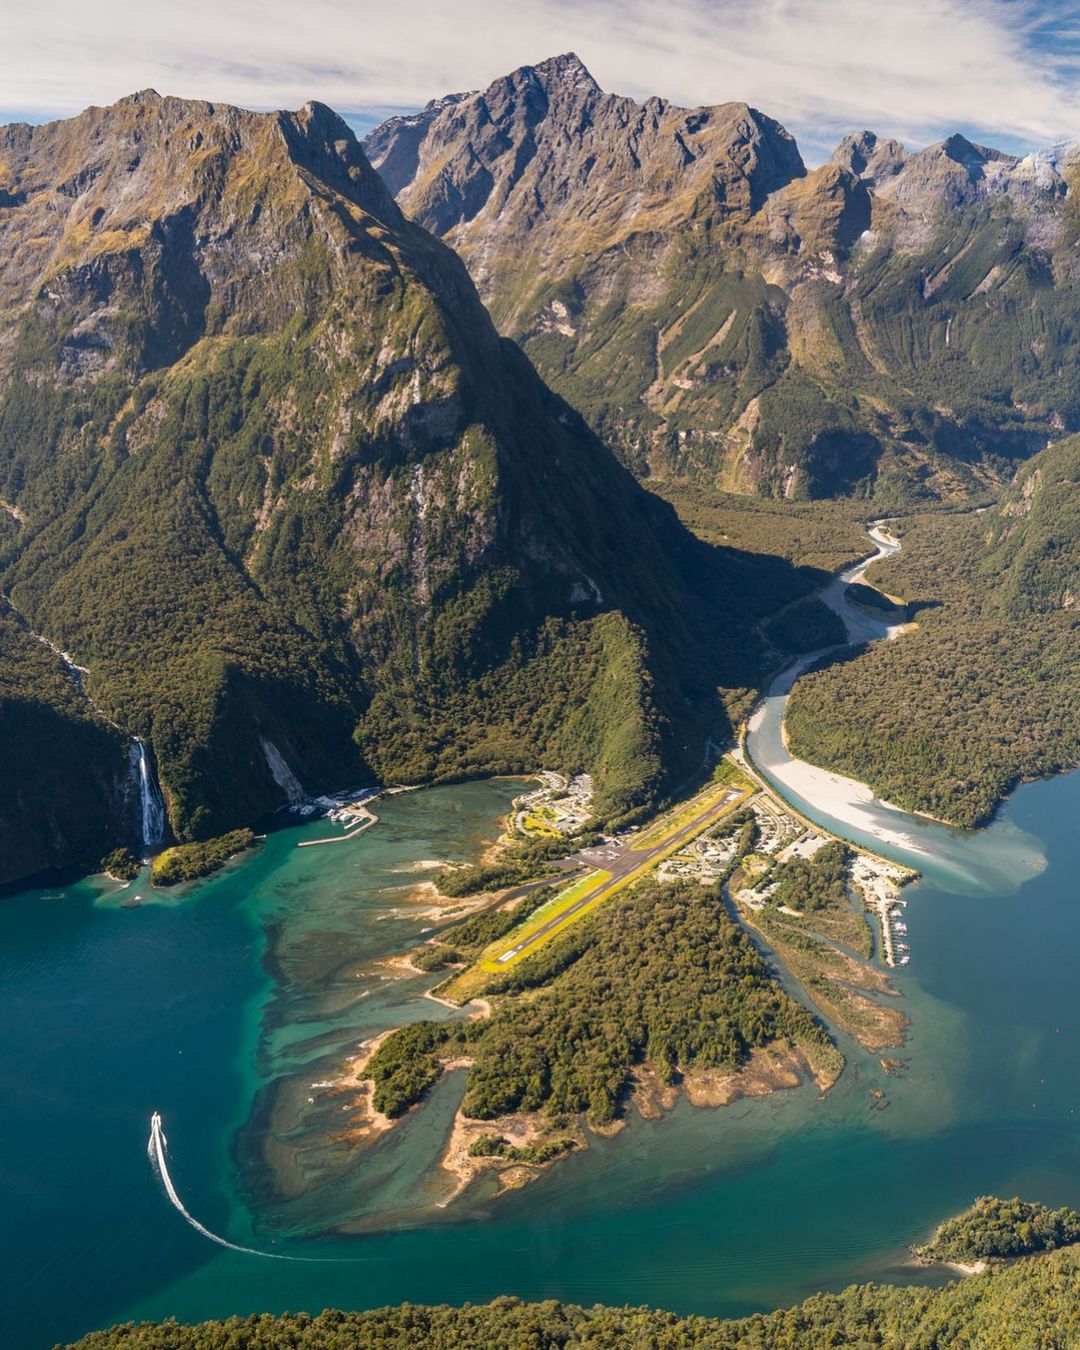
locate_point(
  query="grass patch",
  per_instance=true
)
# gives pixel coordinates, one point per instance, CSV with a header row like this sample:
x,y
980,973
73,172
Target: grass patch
x,y
671,824
557,905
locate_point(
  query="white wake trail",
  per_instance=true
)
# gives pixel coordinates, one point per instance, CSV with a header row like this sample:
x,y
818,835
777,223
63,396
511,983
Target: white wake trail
x,y
155,1150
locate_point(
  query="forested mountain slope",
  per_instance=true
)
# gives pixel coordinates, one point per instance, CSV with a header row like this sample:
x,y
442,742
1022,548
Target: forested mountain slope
x,y
271,476
985,691
889,323
65,775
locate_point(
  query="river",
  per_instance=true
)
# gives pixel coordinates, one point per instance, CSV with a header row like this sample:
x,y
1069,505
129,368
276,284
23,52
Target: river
x,y
224,1008
969,861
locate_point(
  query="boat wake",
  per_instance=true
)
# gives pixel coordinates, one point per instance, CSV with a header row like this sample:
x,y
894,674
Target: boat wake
x,y
156,1147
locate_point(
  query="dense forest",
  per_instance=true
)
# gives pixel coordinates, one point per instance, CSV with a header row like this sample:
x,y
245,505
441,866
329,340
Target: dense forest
x,y
985,692
660,975
812,885
993,1229
1033,1305
187,862
806,626
818,537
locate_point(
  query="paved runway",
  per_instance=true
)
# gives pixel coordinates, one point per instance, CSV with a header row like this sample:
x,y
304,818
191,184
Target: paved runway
x,y
629,863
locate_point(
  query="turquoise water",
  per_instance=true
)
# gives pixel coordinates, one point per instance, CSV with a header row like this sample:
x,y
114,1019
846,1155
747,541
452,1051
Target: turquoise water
x,y
224,1009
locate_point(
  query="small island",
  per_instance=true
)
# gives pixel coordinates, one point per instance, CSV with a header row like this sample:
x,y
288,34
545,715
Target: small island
x,y
121,865
188,862
994,1230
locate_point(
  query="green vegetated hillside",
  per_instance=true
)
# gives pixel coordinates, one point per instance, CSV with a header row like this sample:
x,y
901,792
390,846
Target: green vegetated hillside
x,y
985,691
1032,1305
892,324
272,477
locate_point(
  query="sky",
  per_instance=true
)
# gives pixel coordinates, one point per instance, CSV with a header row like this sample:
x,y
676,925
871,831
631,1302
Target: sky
x,y
1002,71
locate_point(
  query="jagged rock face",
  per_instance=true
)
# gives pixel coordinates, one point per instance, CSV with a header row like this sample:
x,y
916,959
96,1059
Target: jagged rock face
x,y
272,475
822,215
167,205
891,323
545,152
953,173
869,157
948,175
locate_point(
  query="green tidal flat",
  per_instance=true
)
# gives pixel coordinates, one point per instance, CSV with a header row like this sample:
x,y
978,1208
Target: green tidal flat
x,y
223,1005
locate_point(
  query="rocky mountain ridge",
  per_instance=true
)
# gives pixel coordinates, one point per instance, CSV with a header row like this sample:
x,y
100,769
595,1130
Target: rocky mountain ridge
x,y
889,323
547,139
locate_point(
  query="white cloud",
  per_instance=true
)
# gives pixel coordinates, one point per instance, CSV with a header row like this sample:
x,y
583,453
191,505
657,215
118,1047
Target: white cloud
x,y
913,68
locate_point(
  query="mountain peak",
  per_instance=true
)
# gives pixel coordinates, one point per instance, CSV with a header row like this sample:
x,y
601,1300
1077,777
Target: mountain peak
x,y
545,151
322,120
322,142
559,80
957,147
568,68
870,156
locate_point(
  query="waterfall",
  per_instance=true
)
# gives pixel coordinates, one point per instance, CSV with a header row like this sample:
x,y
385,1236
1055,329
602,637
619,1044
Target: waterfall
x,y
152,817
153,808
284,777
